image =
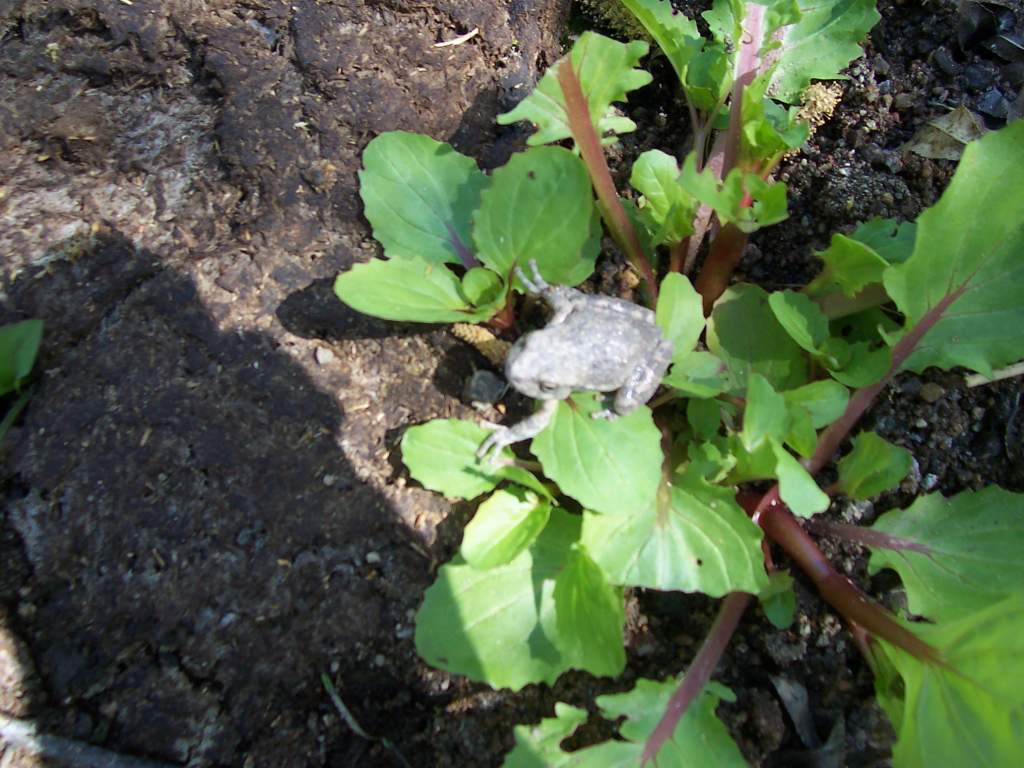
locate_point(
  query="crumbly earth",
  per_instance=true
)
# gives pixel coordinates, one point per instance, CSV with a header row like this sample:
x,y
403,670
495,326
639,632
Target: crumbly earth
x,y
203,508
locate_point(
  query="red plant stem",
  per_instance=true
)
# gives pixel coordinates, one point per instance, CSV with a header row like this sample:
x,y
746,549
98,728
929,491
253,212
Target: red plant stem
x,y
589,144
697,676
782,527
866,536
725,254
833,437
677,255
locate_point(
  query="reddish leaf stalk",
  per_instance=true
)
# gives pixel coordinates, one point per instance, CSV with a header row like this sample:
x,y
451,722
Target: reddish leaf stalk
x,y
725,254
697,676
860,535
589,144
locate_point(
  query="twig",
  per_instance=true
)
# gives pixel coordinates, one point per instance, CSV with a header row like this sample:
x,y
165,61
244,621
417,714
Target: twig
x,y
976,379
23,734
460,39
350,719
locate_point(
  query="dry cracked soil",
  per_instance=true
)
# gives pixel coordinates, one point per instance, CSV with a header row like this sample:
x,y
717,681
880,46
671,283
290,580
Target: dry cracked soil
x,y
202,506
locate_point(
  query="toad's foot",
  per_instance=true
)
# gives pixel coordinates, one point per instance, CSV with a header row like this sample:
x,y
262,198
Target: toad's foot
x,y
606,415
538,285
502,437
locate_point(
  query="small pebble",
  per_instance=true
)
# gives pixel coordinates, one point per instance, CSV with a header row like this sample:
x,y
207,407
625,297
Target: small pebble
x,y
329,480
929,481
323,356
379,660
931,392
372,558
920,424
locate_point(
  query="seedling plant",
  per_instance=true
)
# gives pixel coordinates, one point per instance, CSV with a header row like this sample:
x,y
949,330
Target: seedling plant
x,y
757,413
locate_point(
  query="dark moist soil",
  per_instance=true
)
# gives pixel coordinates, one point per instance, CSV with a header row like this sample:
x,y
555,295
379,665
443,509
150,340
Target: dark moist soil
x,y
203,508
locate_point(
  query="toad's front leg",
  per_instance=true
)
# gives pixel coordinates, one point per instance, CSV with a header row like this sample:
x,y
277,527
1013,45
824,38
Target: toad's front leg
x,y
504,436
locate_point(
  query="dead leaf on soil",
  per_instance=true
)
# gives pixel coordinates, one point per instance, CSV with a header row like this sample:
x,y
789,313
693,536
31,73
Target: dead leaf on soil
x,y
944,138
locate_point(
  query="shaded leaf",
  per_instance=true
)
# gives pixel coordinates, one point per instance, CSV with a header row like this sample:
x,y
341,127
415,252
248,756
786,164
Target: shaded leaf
x,y
19,345
955,555
680,314
418,195
890,239
590,614
778,601
408,289
539,746
609,466
824,400
700,374
850,265
764,416
873,466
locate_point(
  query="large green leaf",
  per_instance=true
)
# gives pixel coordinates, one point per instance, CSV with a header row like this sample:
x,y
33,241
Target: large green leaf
x,y
590,615
418,195
539,207
969,713
970,241
503,526
441,454
674,32
680,314
609,466
666,209
825,39
19,344
743,331
408,289
501,626
694,538
700,740
606,71
957,554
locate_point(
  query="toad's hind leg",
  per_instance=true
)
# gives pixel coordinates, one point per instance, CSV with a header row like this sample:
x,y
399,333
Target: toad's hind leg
x,y
644,380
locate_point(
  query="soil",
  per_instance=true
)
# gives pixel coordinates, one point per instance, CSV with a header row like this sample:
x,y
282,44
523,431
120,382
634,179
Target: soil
x,y
203,509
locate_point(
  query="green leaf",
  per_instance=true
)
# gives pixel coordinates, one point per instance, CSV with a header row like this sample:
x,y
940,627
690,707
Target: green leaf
x,y
756,465
892,240
19,345
743,331
539,746
778,601
850,266
800,433
825,39
539,207
609,466
704,416
867,364
796,486
700,374
804,321
765,416
418,195
605,69
674,32
695,538
680,314
441,454
503,526
728,197
708,460
482,287
768,130
824,400
873,466
970,241
408,289
666,209
590,615
955,555
500,626
969,713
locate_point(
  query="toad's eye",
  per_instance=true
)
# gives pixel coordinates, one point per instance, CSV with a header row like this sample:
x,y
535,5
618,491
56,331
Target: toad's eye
x,y
547,386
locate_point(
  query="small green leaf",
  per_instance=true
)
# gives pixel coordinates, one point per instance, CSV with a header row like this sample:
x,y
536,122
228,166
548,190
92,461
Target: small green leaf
x,y
778,601
500,626
408,289
19,344
728,197
873,466
539,207
824,400
695,538
605,69
743,331
482,287
680,314
418,195
801,317
970,242
817,47
441,454
850,266
609,466
590,614
867,364
765,416
666,208
539,746
503,526
955,555
756,465
769,130
800,434
890,239
796,486
709,461
704,416
969,711
700,374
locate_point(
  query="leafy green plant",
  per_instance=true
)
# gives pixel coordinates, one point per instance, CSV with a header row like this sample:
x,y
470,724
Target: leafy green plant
x,y
19,344
764,391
